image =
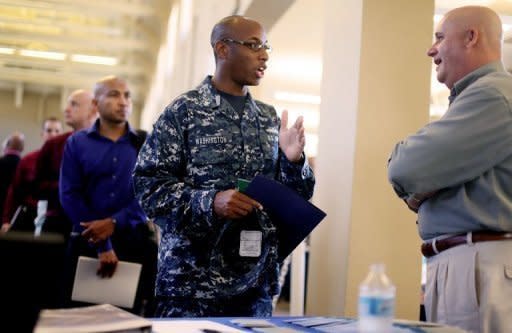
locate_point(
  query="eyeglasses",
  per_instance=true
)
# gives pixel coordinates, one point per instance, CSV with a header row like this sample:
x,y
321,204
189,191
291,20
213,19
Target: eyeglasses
x,y
253,45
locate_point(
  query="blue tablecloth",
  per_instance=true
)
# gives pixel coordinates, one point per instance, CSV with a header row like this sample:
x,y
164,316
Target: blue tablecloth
x,y
299,324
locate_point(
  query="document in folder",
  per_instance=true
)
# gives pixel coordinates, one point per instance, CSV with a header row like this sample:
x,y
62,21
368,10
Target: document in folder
x,y
117,290
293,216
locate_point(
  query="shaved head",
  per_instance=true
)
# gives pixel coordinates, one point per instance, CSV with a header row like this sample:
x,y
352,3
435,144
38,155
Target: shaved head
x,y
82,94
79,112
482,19
232,27
112,98
16,141
228,27
241,50
104,82
465,39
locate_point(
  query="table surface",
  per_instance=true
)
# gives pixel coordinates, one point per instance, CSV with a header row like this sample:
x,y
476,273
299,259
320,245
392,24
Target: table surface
x,y
285,325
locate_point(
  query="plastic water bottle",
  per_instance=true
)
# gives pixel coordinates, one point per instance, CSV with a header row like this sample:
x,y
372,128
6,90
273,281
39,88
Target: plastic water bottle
x,y
376,301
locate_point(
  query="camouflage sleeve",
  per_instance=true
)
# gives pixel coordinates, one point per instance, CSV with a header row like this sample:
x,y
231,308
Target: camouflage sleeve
x,y
159,177
298,176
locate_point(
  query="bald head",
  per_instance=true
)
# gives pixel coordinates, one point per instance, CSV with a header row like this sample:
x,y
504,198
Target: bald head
x,y
113,100
466,38
482,19
15,141
233,27
229,26
79,113
104,83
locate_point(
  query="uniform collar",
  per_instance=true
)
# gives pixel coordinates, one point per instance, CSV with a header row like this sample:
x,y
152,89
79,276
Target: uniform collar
x,y
210,97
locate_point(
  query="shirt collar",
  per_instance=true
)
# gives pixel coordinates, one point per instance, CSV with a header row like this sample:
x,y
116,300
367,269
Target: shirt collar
x,y
463,83
95,129
210,97
8,151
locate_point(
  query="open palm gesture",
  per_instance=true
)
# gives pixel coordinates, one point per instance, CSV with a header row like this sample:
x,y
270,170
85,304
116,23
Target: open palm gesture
x,y
292,140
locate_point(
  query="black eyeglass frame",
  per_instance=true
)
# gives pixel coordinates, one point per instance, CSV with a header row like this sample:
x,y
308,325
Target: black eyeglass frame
x,y
253,45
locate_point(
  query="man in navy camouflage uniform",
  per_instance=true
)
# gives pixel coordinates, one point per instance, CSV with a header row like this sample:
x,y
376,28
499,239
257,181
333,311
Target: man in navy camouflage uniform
x,y
186,178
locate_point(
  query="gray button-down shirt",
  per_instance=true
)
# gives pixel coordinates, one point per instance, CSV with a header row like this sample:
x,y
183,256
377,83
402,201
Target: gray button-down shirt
x,y
466,156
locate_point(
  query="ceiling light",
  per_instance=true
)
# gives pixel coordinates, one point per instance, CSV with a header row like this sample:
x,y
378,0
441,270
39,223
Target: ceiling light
x,y
297,97
43,54
506,27
97,60
6,50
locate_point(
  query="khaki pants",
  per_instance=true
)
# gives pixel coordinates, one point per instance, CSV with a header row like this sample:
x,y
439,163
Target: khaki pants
x,y
470,286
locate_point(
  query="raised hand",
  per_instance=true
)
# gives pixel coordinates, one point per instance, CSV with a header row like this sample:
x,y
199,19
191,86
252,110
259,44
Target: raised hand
x,y
292,140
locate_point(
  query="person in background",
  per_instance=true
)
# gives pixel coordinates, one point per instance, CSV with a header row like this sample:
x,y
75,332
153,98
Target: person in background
x,y
12,149
186,178
21,202
78,114
96,191
456,173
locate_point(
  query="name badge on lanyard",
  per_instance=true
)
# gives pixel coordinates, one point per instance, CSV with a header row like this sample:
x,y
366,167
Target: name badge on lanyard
x,y
250,243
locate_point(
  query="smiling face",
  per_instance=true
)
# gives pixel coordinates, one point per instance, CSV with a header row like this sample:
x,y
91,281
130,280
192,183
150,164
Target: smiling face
x,y
465,39
449,52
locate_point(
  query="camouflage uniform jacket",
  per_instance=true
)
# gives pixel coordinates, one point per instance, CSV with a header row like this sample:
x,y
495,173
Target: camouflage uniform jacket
x,y
198,147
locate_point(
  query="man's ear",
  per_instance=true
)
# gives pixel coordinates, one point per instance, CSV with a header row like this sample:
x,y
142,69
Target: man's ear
x,y
471,38
221,50
94,107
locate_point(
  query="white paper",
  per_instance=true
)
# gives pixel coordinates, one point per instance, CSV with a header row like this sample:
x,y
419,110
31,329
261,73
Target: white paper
x,y
96,318
190,326
118,290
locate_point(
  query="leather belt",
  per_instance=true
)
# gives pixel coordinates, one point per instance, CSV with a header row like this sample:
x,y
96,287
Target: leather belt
x,y
439,245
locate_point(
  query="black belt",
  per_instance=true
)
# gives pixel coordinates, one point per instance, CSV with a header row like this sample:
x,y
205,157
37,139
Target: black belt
x,y
439,245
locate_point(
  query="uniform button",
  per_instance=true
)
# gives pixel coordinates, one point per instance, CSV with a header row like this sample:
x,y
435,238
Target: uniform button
x,y
112,194
114,159
114,177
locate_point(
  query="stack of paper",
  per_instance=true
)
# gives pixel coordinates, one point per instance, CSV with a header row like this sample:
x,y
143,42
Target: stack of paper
x,y
96,318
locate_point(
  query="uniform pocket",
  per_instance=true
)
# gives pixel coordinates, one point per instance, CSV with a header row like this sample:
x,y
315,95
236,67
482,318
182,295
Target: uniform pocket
x,y
212,160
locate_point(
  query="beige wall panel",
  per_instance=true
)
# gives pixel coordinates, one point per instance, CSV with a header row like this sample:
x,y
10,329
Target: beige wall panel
x,y
364,112
28,118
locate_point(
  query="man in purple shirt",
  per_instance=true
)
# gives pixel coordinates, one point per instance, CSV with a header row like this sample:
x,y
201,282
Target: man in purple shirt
x,y
96,188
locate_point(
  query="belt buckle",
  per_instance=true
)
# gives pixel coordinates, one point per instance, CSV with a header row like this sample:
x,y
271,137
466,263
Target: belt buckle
x,y
434,246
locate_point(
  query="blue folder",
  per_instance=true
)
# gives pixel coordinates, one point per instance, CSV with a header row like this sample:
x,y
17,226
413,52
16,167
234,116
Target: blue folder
x,y
293,216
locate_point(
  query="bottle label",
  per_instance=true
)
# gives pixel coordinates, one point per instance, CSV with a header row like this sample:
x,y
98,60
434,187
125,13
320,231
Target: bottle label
x,y
376,306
